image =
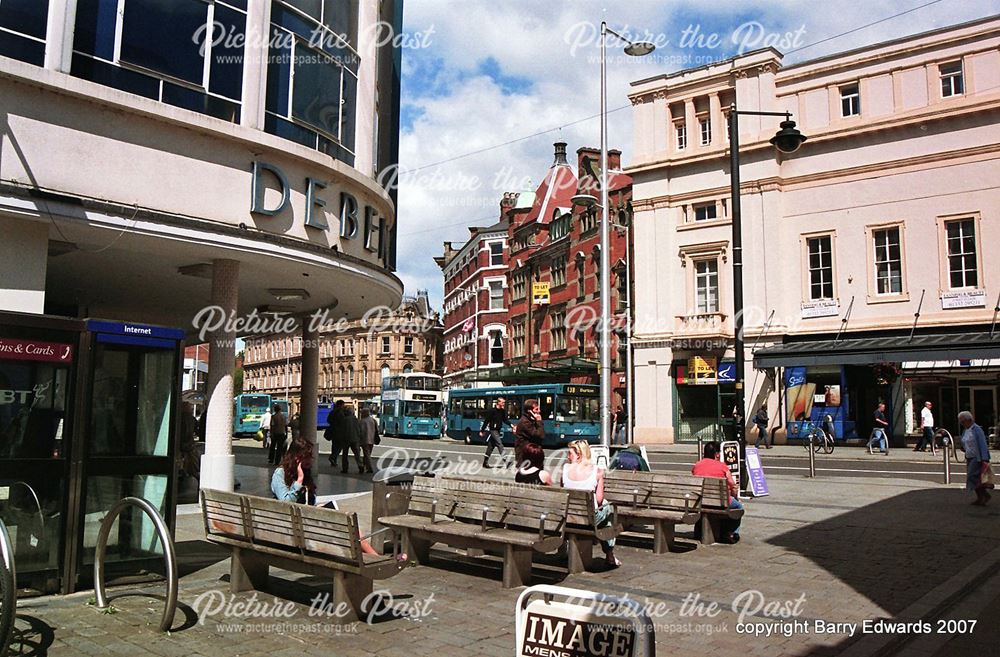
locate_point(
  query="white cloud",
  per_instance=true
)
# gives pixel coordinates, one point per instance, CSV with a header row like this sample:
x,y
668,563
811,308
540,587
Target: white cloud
x,y
544,82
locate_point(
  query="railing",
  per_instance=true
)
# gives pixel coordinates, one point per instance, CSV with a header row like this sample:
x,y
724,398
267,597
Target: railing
x,y
8,591
168,553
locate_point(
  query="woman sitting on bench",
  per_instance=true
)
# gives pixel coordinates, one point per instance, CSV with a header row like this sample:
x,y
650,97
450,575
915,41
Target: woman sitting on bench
x,y
581,474
292,482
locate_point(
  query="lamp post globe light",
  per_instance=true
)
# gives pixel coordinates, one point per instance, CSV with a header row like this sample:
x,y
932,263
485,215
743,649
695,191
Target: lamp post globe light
x,y
786,140
635,49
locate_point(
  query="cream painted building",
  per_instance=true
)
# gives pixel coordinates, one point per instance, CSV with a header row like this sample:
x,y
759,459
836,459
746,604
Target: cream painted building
x,y
891,208
148,172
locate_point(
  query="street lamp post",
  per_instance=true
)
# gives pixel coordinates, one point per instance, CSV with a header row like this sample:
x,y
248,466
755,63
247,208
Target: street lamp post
x,y
635,49
787,140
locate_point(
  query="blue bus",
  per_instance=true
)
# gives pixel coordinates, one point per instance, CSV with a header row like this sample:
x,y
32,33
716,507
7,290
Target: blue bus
x,y
411,405
282,404
248,411
569,412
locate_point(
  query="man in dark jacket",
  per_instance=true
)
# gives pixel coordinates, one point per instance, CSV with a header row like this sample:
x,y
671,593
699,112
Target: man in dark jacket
x,y
334,431
492,429
351,437
761,420
529,429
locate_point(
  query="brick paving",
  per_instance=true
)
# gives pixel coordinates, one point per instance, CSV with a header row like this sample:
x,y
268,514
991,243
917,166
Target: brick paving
x,y
850,549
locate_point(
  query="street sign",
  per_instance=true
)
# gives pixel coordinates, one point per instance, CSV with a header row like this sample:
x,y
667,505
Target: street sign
x,y
581,624
727,372
755,473
731,457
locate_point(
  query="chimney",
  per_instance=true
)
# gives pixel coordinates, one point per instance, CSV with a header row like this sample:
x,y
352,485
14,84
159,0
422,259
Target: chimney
x,y
560,153
614,160
507,202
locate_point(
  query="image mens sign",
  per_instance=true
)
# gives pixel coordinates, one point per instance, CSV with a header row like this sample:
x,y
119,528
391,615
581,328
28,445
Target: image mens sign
x,y
554,621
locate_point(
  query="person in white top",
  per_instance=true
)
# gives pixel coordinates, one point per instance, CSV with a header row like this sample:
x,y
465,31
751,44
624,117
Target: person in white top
x,y
580,473
927,424
265,427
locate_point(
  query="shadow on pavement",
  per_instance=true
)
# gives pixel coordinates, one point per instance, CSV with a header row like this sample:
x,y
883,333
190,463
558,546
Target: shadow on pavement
x,y
190,616
900,549
31,637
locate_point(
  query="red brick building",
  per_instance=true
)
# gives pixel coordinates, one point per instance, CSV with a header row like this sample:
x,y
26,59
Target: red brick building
x,y
557,245
475,303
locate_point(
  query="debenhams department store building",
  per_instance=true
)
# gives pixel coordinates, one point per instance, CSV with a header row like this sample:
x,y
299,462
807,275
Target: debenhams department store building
x,y
159,156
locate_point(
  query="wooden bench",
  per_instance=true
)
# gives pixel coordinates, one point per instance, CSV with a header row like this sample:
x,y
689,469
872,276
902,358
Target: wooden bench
x,y
482,515
660,499
715,508
581,524
263,532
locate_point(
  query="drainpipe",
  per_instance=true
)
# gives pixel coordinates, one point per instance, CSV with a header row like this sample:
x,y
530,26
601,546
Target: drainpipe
x,y
781,405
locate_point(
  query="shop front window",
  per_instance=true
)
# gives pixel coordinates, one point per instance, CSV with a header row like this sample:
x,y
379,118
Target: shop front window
x,y
131,420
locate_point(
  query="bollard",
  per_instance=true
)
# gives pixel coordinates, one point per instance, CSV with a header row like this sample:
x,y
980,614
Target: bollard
x,y
701,449
812,458
947,465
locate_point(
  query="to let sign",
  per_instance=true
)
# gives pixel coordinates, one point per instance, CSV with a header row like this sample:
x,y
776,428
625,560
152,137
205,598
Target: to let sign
x,y
36,350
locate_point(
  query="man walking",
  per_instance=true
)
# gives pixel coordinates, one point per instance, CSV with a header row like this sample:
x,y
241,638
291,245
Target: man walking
x,y
492,430
352,440
279,433
927,424
621,422
760,420
265,428
880,434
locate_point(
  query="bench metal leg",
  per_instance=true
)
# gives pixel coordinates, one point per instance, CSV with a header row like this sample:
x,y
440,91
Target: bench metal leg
x,y
247,572
710,529
580,553
516,566
350,591
417,550
663,536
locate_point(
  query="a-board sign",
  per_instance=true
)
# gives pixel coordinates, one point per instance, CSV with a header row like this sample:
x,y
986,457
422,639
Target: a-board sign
x,y
554,621
731,457
755,473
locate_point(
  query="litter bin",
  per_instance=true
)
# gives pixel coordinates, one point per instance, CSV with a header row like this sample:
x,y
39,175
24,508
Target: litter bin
x,y
390,496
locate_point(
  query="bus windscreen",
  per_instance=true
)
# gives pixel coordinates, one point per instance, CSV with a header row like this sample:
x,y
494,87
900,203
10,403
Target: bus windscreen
x,y
254,402
422,409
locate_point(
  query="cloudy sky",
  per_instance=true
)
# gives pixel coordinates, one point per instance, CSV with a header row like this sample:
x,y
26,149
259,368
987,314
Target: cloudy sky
x,y
489,85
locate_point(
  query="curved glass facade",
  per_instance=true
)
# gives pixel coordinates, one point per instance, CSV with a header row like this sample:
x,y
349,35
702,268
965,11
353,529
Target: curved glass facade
x,y
22,30
312,74
179,52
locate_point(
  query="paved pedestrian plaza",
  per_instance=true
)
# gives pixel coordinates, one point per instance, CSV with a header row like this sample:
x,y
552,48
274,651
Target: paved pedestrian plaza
x,y
826,567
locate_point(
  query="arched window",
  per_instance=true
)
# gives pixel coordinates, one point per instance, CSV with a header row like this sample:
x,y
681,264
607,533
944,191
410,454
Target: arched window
x,y
342,375
407,368
364,376
385,372
350,377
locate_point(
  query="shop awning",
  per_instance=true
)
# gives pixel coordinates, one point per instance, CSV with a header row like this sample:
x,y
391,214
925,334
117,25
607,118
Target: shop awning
x,y
866,351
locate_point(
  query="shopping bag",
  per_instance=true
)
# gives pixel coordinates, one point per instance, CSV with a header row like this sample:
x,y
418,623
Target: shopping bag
x,y
987,479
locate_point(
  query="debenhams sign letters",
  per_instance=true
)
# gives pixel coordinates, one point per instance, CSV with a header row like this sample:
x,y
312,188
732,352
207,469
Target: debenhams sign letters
x,y
355,220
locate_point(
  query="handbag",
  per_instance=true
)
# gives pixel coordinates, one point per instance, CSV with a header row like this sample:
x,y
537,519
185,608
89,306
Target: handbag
x,y
987,479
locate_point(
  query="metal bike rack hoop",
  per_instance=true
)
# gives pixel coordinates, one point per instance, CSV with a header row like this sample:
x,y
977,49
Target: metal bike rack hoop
x,y
168,553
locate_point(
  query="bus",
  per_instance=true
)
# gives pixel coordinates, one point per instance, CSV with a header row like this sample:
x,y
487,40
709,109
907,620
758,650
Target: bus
x,y
411,405
282,404
374,406
248,411
569,412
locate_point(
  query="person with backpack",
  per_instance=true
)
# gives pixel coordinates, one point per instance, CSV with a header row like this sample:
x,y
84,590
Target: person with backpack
x,y
761,420
629,458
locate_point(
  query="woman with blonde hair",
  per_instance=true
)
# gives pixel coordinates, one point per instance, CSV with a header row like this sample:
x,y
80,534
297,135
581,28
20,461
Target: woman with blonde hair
x,y
580,473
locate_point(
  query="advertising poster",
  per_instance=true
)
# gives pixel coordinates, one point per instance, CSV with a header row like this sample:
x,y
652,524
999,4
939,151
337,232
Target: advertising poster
x,y
731,457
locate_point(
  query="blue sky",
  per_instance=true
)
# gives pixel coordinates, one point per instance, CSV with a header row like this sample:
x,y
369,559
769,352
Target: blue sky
x,y
497,72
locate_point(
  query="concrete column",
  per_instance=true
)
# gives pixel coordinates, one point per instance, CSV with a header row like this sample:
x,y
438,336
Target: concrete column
x,y
255,63
59,32
310,385
661,125
24,257
218,464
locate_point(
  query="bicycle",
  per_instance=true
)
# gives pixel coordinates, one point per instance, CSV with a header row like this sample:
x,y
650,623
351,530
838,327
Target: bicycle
x,y
817,436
